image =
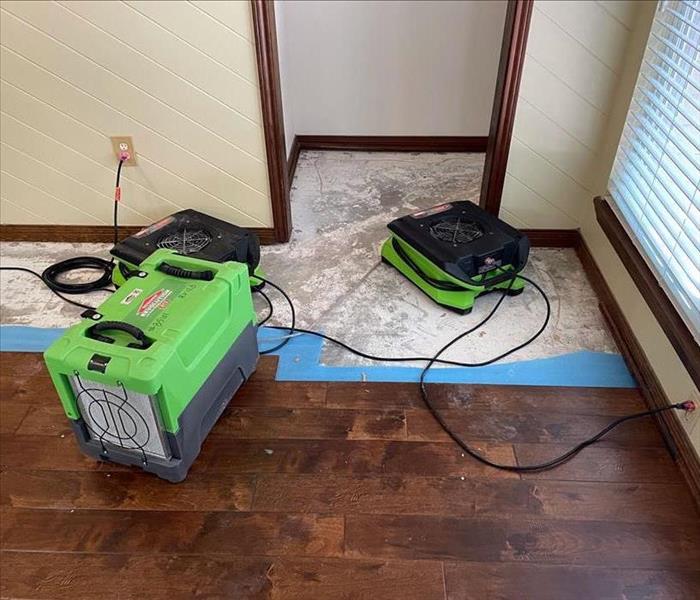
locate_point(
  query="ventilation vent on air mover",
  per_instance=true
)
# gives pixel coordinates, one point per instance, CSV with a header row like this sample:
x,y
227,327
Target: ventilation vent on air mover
x,y
455,231
186,241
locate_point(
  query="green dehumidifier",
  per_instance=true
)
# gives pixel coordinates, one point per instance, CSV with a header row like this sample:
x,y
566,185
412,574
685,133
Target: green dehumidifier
x,y
144,378
455,252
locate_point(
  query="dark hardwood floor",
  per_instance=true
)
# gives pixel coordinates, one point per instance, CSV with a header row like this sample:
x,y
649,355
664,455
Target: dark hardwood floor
x,y
350,490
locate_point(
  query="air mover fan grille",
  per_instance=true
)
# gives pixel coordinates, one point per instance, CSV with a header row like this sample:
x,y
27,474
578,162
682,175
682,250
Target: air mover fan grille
x,y
456,231
191,233
186,241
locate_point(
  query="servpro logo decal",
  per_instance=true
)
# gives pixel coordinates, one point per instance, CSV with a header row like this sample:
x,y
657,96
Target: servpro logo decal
x,y
155,227
157,300
432,211
131,296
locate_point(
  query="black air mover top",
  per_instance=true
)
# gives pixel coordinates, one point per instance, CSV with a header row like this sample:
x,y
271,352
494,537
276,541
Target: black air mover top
x,y
195,234
462,239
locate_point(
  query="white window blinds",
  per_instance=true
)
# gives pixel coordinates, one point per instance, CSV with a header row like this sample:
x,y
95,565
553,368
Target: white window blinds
x,y
655,179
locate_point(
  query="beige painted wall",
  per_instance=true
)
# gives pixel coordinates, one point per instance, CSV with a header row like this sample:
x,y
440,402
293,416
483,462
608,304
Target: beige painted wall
x,y
400,67
179,77
581,67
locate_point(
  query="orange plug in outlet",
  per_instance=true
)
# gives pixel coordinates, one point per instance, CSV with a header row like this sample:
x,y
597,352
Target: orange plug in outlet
x,y
123,147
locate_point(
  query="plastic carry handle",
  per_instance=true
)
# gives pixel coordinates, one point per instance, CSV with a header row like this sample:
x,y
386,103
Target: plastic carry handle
x,y
489,281
96,330
185,273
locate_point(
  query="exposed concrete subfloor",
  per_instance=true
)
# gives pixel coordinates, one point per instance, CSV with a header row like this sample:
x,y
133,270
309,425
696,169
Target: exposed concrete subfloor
x,y
341,203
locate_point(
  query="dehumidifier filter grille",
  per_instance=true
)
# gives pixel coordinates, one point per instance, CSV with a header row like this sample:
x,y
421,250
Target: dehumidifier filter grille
x,y
121,418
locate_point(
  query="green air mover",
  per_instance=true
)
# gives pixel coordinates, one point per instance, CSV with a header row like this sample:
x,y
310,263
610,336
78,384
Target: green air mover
x,y
455,252
190,233
144,377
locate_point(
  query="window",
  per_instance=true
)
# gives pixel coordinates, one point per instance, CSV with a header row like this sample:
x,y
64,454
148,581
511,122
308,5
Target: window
x,y
656,175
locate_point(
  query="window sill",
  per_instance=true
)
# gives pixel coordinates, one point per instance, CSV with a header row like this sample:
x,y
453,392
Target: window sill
x,y
655,296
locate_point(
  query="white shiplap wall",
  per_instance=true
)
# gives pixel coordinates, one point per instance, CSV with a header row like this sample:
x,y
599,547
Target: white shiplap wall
x,y
575,58
180,77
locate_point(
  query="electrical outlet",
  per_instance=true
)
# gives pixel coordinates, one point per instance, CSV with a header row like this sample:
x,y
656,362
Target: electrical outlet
x,y
124,144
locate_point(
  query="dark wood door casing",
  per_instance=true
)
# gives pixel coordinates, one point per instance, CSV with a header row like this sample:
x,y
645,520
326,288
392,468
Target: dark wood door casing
x,y
515,33
263,12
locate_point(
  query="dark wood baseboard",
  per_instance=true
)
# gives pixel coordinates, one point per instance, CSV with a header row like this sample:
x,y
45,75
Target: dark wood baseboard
x,y
675,435
266,235
547,238
63,233
393,143
91,233
382,143
553,238
293,159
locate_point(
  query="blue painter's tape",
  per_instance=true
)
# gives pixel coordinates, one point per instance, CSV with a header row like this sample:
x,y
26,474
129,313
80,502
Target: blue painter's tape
x,y
300,360
19,338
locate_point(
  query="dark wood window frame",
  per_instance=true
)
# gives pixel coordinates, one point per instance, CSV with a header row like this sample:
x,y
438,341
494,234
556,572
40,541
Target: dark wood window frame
x,y
657,299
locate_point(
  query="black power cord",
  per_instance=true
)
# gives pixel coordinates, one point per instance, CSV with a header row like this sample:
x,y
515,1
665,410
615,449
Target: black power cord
x,y
442,361
117,199
40,276
435,359
291,308
53,275
270,310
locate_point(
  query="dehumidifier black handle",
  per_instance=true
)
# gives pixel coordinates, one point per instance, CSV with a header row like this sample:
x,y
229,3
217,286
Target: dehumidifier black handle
x,y
95,332
185,273
490,281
